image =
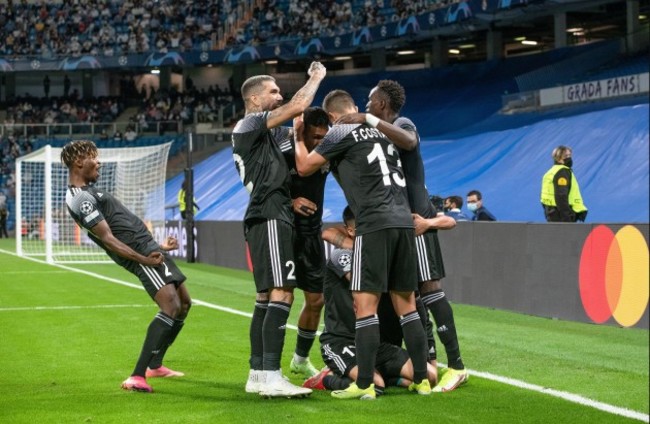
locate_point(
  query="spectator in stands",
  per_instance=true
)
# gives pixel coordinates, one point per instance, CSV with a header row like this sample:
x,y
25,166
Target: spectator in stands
x,y
561,198
66,86
4,215
130,134
46,86
452,208
475,205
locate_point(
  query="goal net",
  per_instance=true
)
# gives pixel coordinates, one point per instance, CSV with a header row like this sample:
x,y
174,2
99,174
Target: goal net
x,y
44,229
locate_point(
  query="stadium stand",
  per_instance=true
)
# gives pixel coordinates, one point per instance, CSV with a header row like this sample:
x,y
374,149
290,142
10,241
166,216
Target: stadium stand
x,y
467,143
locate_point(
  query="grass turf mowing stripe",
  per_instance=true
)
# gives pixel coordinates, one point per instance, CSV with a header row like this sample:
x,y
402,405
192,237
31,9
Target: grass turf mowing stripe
x,y
627,413
65,308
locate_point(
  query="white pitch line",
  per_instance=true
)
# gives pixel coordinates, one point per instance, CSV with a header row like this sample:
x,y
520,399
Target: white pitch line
x,y
63,308
570,397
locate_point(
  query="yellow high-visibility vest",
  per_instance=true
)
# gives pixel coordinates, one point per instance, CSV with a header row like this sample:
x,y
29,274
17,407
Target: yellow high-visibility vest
x,y
548,190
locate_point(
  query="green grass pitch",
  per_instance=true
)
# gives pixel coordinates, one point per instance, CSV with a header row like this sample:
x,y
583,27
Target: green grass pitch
x,y
68,339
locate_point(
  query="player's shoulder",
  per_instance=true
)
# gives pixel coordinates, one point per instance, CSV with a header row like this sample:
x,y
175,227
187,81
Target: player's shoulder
x,y
338,132
405,123
251,122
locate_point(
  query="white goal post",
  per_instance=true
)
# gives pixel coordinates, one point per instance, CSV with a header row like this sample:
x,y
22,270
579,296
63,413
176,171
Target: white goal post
x,y
44,229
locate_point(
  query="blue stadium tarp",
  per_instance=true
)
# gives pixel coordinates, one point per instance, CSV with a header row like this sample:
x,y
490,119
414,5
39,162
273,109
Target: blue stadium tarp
x,y
610,149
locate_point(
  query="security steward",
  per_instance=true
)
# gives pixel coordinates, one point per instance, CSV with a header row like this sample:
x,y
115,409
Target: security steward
x,y
561,196
182,201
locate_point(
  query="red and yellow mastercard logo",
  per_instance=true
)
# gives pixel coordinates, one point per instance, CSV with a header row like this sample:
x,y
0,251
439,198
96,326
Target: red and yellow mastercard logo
x,y
614,275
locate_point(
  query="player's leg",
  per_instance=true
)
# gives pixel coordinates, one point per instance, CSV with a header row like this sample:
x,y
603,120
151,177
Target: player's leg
x,y
159,329
279,277
310,269
430,272
156,367
256,373
402,284
307,328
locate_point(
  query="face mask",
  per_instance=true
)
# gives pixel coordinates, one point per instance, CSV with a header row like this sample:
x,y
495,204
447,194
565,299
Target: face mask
x,y
472,207
568,162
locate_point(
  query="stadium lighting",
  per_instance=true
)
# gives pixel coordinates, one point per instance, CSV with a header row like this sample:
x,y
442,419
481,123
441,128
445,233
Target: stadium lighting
x,y
342,57
155,71
405,52
529,42
454,51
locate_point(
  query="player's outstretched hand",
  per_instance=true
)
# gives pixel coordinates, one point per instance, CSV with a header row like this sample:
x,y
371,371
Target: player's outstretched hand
x,y
352,118
169,244
317,69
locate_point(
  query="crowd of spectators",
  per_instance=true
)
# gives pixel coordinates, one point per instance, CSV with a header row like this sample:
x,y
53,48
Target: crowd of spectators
x,y
109,27
24,112
117,27
192,105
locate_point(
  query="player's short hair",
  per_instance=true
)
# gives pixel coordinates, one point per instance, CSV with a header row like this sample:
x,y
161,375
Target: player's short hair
x,y
348,216
78,149
394,92
253,85
315,117
338,101
558,153
476,193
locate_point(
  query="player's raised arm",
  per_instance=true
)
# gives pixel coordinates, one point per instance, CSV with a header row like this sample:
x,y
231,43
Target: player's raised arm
x,y
402,138
301,100
306,162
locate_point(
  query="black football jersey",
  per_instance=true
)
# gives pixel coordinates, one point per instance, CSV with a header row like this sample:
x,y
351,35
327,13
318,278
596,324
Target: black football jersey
x,y
340,320
367,166
414,172
257,152
88,206
311,187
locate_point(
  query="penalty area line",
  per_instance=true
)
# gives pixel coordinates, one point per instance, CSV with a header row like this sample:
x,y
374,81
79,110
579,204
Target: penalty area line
x,y
570,397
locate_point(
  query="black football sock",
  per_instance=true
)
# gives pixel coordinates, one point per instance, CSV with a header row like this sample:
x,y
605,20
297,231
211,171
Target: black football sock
x,y
428,328
367,343
335,382
255,334
273,332
416,344
157,359
442,313
157,333
305,341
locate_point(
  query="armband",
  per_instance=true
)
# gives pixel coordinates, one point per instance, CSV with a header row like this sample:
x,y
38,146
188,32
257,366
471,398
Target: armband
x,y
372,120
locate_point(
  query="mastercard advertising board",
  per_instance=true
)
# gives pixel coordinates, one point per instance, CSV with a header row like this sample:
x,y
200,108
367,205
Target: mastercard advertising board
x,y
614,275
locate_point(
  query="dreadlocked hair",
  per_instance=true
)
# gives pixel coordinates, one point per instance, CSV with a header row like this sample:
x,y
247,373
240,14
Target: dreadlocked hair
x,y
78,149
